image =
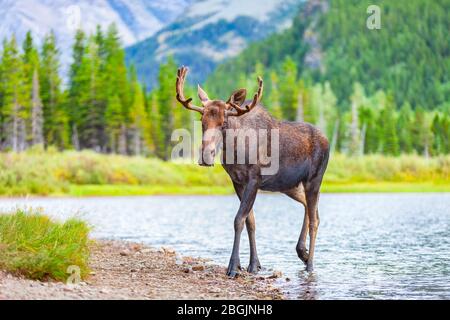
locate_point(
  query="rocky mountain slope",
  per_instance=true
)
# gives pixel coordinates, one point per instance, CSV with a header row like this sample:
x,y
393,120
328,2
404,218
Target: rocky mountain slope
x,y
135,20
209,32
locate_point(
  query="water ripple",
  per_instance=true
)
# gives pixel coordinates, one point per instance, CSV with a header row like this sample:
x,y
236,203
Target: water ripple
x,y
383,246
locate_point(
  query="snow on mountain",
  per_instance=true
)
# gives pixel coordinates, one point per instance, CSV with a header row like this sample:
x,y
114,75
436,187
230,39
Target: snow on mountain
x,y
210,31
229,10
135,20
199,33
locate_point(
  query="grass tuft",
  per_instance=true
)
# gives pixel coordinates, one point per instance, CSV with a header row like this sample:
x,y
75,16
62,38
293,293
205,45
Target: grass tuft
x,y
33,245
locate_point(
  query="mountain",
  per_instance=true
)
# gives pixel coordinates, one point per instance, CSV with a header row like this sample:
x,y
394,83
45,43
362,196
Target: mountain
x,y
135,20
208,32
408,58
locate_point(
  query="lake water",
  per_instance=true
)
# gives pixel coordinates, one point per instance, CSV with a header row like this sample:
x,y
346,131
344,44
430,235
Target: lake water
x,y
371,246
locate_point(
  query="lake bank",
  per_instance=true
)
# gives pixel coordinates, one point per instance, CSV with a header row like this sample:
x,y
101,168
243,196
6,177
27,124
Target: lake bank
x,y
90,174
127,190
128,271
80,191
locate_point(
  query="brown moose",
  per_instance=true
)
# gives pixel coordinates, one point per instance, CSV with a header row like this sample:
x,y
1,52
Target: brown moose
x,y
303,159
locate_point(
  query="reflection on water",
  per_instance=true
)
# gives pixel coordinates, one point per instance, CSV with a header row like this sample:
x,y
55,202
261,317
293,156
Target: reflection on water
x,y
384,246
306,288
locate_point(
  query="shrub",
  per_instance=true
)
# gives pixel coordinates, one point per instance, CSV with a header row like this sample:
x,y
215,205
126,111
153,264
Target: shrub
x,y
33,245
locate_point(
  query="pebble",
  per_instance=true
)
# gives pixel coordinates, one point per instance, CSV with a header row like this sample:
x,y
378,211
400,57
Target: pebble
x,y
178,260
214,291
187,270
168,251
276,275
198,268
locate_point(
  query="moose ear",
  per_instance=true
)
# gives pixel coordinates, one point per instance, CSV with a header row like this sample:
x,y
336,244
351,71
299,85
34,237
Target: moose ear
x,y
202,95
238,97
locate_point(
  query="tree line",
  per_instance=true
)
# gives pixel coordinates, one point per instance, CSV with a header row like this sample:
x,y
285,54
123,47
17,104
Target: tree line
x,y
372,91
409,57
366,124
103,106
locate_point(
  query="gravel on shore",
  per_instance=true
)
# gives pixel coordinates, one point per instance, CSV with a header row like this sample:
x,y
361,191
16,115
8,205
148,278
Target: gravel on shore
x,y
128,271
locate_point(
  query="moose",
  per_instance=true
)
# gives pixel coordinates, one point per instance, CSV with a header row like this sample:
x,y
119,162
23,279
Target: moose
x,y
303,159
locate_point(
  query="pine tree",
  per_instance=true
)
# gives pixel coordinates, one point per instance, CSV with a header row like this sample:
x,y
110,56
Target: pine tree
x,y
37,121
304,108
76,86
274,99
55,118
288,89
116,82
329,111
358,99
446,133
156,134
114,121
139,121
167,104
30,59
13,98
441,134
404,126
368,117
421,132
389,120
92,129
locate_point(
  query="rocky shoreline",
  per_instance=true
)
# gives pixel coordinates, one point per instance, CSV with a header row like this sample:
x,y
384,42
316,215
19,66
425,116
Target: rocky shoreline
x,y
129,271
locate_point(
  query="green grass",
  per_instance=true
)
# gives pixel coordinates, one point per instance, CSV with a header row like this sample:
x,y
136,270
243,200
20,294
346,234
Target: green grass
x,y
127,190
375,187
385,187
33,245
92,174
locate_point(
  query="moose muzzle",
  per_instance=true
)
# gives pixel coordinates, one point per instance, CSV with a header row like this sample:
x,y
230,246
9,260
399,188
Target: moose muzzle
x,y
207,155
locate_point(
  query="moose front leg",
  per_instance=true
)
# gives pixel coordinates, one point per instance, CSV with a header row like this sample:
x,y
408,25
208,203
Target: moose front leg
x,y
247,201
250,223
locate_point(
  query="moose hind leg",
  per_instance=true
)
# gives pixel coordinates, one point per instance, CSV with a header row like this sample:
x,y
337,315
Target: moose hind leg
x,y
312,198
302,252
298,195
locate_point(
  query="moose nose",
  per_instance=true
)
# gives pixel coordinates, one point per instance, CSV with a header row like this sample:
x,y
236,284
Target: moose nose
x,y
207,158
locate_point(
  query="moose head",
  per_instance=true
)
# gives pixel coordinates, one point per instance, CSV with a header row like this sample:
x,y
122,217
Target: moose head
x,y
215,113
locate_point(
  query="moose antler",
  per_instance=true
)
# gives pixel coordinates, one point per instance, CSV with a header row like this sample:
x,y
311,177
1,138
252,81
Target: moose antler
x,y
239,111
187,103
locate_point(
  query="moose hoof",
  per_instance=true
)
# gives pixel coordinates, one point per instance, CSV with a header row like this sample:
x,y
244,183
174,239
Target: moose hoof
x,y
303,255
233,269
254,267
233,274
